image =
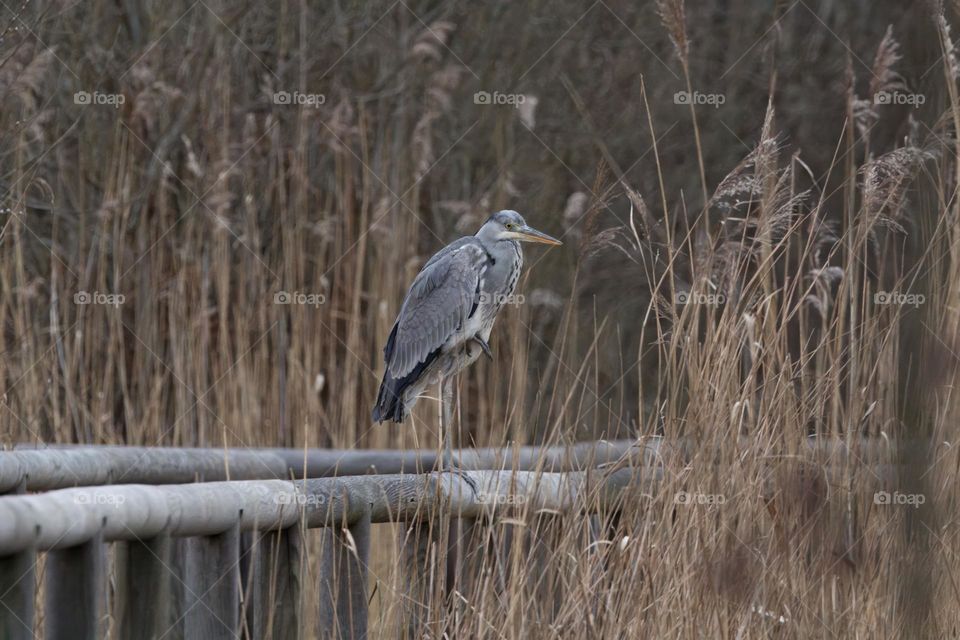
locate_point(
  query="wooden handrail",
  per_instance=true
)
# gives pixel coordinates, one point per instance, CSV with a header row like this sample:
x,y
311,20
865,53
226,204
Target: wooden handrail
x,y
180,547
61,466
69,517
44,469
200,528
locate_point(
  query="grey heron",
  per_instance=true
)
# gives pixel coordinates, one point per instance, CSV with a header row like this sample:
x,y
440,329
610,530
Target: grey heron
x,y
445,321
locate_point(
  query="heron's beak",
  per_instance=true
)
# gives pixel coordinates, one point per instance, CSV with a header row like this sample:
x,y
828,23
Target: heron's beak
x,y
529,234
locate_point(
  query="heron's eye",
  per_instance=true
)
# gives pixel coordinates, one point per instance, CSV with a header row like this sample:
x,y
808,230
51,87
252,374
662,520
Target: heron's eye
x,y
510,226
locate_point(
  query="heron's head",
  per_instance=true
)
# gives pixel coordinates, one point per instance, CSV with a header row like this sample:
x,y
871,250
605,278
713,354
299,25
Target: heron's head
x,y
510,225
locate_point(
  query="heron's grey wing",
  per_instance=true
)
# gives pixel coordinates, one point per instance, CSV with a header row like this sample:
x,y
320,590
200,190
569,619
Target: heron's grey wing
x,y
441,298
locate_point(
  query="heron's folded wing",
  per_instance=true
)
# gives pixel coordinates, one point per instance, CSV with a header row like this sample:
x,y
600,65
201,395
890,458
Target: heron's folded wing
x,y
441,298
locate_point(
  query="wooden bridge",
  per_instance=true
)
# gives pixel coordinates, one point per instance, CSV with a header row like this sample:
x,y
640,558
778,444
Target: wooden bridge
x,y
190,526
209,543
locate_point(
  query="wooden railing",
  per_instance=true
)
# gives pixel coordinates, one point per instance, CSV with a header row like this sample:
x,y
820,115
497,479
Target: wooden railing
x,y
208,544
180,549
48,468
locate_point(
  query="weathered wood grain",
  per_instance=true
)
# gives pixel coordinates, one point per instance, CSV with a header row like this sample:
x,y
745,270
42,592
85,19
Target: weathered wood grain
x,y
68,517
58,467
212,589
274,606
343,581
18,583
61,466
144,578
63,518
178,589
418,542
73,579
17,588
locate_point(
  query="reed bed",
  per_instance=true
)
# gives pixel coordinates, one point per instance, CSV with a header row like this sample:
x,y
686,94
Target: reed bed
x,y
211,212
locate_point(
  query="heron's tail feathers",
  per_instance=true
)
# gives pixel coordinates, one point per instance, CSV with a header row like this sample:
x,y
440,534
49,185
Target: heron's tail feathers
x,y
389,401
398,395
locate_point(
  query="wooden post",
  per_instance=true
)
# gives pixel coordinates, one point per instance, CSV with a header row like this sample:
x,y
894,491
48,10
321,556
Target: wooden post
x,y
212,591
18,583
73,580
144,590
17,588
178,589
419,550
343,581
274,608
466,554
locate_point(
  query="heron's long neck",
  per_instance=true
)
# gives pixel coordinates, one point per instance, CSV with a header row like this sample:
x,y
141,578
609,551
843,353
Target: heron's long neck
x,y
505,252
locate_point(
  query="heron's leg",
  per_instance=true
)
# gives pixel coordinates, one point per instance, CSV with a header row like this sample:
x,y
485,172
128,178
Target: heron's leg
x,y
442,421
483,345
449,463
446,421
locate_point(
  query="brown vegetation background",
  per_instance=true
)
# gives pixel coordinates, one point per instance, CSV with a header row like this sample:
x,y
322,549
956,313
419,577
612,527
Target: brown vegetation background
x,y
807,207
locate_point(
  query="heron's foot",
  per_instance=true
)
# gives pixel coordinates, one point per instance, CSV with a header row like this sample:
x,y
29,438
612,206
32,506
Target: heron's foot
x,y
451,466
483,345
